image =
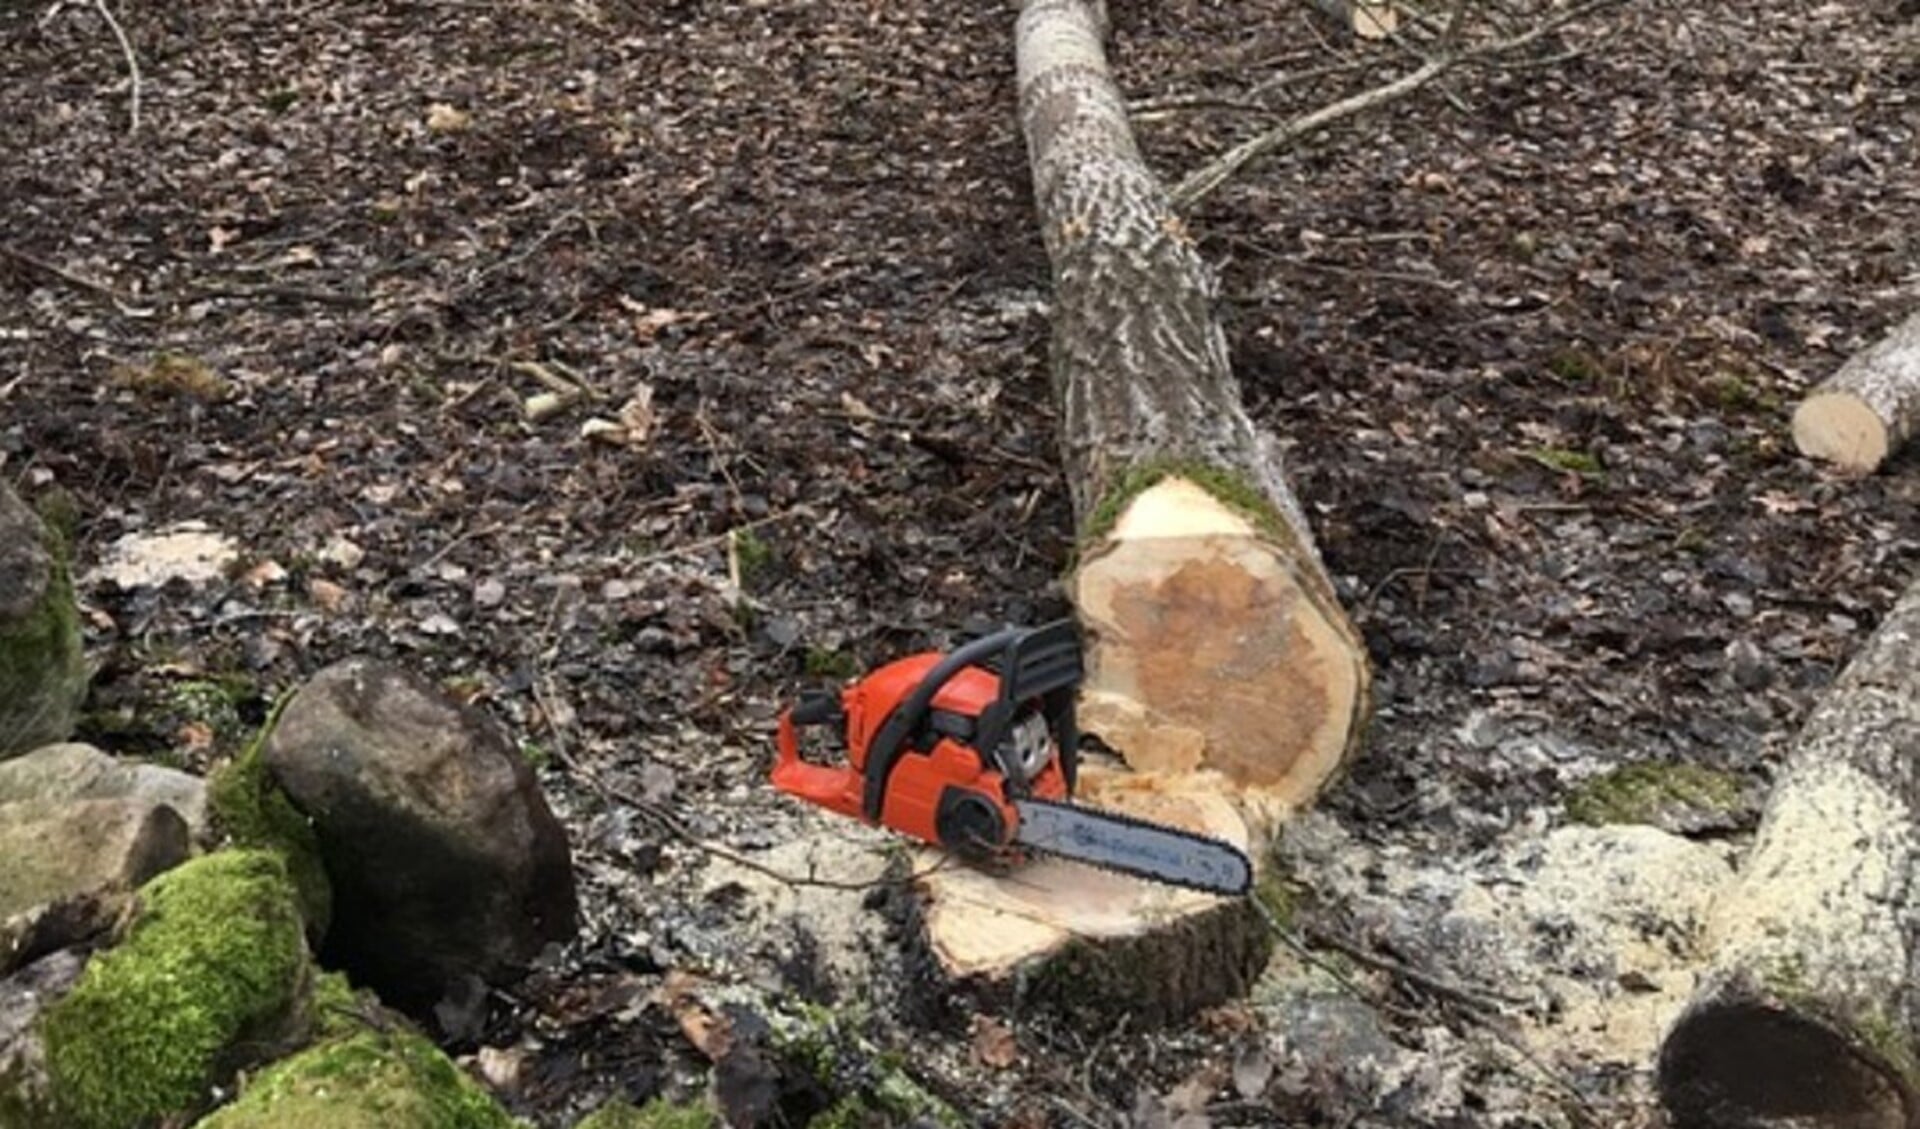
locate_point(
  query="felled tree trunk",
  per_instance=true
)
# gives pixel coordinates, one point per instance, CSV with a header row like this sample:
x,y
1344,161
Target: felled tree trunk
x,y
1221,667
1872,405
1810,1013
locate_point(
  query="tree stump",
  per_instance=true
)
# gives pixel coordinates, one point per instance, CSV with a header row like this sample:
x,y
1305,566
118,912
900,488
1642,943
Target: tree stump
x,y
1809,1013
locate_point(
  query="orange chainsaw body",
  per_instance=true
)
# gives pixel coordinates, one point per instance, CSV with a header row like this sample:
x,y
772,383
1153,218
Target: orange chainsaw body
x,y
936,783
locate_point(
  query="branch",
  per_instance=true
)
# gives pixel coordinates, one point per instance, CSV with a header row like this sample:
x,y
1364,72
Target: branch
x,y
1212,175
133,64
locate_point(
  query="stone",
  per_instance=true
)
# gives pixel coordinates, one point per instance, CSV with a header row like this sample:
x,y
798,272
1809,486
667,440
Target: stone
x,y
70,865
26,1093
444,858
210,979
392,1079
43,674
81,772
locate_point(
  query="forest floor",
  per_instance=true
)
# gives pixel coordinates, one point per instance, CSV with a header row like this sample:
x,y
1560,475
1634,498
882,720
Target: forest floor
x,y
1531,339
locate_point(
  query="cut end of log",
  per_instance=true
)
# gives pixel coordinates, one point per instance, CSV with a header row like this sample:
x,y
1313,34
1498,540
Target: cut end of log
x,y
1840,428
1089,940
1747,1063
1366,19
1211,653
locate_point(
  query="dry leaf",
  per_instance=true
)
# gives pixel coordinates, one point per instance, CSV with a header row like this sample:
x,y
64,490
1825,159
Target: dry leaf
x,y
442,118
993,1043
262,574
710,1034
636,415
326,595
194,736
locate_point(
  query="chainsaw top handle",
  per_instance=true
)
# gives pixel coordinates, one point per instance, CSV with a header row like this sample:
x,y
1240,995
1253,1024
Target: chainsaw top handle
x,y
1042,662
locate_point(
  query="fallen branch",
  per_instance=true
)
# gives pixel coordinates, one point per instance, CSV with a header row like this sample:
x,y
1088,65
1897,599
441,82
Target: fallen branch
x,y
1217,172
133,65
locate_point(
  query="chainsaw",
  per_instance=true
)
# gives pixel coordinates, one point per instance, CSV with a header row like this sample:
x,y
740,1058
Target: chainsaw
x,y
977,751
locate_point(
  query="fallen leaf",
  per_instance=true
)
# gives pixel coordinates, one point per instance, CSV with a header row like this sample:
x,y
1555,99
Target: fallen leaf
x,y
993,1043
262,574
194,736
326,595
636,415
443,118
1252,1071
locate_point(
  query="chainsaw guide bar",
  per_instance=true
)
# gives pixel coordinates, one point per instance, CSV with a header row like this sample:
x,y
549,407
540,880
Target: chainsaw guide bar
x,y
1136,847
977,751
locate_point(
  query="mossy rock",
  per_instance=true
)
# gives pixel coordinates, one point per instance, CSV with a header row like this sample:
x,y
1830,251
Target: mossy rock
x,y
250,810
43,673
209,979
656,1114
391,1079
1679,798
829,1047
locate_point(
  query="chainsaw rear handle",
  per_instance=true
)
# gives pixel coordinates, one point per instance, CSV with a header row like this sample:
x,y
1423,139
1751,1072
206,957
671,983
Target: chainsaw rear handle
x,y
1039,662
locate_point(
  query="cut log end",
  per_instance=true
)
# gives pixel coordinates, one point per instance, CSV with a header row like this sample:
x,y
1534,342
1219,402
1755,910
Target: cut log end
x,y
1841,428
1365,19
1209,654
1086,942
1744,1062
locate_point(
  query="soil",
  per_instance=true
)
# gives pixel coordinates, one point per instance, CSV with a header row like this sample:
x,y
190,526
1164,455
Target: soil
x,y
1532,338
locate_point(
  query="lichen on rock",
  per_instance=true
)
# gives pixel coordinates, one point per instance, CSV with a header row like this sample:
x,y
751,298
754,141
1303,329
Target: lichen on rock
x,y
392,1079
43,674
208,980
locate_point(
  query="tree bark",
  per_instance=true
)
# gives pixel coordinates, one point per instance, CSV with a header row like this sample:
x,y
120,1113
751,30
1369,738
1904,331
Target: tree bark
x,y
1859,415
1221,667
1809,1015
1217,643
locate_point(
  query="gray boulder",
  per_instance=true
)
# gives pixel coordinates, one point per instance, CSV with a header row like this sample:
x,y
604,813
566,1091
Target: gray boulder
x,y
26,1093
72,864
447,865
82,772
43,675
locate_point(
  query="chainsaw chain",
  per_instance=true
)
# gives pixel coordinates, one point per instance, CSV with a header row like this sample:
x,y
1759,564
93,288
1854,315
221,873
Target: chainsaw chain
x,y
1144,824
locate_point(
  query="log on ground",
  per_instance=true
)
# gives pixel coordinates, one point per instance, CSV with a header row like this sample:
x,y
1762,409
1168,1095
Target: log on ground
x,y
1222,670
1861,414
1809,1014
1363,19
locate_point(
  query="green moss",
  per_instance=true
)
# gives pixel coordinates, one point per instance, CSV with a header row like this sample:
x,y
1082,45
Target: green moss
x,y
252,811
829,1047
1576,366
656,1114
1645,791
824,663
175,374
1893,1044
391,1079
1567,461
42,661
1230,487
208,976
752,553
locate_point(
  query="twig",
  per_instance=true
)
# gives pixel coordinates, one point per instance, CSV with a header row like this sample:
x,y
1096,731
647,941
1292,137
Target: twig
x,y
1217,172
79,282
719,539
133,65
1481,1000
